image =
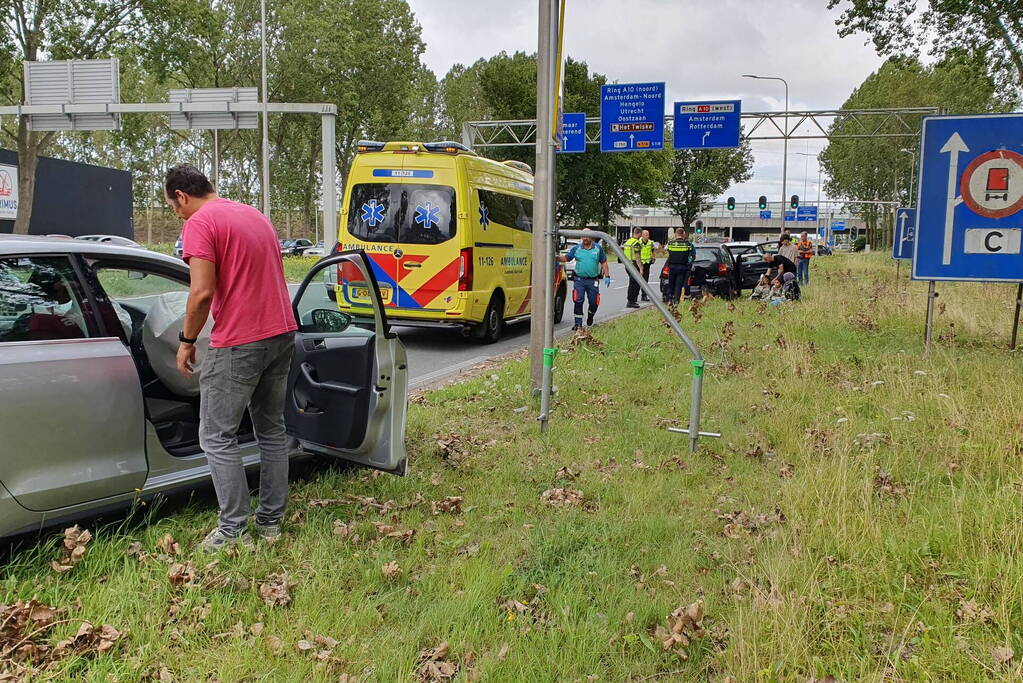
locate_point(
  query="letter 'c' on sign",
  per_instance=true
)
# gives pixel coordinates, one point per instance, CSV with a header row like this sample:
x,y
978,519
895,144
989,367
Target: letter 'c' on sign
x,y
987,241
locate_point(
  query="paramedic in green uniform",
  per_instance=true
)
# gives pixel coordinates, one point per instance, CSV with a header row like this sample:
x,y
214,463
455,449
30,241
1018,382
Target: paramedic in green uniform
x,y
590,266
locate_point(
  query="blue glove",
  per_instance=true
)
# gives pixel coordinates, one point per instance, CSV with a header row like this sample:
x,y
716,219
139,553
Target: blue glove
x,y
607,281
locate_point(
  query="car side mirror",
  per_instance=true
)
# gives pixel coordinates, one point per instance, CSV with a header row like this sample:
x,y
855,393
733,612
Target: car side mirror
x,y
325,320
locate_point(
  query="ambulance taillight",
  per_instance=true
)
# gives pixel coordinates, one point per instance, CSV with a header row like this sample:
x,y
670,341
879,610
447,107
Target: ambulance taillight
x,y
465,270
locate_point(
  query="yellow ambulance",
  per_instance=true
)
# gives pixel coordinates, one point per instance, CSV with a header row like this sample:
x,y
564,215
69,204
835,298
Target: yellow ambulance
x,y
448,233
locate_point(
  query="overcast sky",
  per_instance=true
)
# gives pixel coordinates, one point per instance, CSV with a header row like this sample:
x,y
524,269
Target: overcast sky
x,y
699,48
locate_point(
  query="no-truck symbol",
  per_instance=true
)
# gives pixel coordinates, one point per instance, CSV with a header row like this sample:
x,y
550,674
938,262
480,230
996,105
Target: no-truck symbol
x,y
992,185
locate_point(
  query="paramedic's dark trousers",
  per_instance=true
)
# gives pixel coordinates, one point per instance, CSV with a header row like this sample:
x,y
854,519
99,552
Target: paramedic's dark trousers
x,y
678,278
585,288
646,277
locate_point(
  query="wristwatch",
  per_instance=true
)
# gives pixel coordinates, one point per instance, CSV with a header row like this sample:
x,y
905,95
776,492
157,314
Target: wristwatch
x,y
185,340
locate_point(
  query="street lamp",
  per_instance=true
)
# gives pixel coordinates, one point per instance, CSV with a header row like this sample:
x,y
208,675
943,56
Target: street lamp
x,y
912,171
785,160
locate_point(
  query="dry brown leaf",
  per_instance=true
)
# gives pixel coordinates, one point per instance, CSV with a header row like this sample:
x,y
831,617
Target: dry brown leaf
x,y
502,654
256,629
181,574
452,504
391,570
559,497
433,665
276,591
1002,654
72,549
168,546
684,625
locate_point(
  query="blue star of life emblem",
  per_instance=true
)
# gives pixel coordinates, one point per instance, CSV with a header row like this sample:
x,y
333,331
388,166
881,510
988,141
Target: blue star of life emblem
x,y
484,215
428,215
373,212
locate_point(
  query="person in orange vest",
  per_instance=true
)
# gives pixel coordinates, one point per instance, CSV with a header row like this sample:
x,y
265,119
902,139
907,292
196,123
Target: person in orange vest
x,y
805,248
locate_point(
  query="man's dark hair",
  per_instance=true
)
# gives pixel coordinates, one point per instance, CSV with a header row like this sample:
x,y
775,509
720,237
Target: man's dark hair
x,y
189,180
637,229
786,236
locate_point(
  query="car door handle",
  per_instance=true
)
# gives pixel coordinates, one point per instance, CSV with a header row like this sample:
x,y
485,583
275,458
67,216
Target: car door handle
x,y
307,375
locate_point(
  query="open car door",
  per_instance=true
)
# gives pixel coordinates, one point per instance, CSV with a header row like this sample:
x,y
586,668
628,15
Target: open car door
x,y
348,386
749,264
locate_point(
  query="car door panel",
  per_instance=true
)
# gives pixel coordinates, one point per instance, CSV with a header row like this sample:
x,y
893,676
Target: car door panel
x,y
314,401
348,387
62,446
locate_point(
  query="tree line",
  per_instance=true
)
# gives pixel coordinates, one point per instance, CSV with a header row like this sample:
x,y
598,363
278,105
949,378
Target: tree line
x,y
362,55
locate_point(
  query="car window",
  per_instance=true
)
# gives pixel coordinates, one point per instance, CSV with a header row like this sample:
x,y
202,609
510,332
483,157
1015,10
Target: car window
x,y
41,299
709,255
125,283
505,209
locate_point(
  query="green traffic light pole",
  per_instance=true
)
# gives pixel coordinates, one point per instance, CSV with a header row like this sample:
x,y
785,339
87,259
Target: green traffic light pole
x,y
697,363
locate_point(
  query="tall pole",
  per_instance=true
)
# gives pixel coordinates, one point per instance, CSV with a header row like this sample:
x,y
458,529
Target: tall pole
x,y
912,173
266,123
549,350
785,158
541,196
785,137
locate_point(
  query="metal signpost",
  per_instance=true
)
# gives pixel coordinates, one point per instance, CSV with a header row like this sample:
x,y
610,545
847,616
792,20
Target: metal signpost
x,y
969,203
573,133
631,117
707,125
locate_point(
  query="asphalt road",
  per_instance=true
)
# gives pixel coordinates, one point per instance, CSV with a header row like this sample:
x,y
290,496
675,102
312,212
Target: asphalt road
x,y
435,353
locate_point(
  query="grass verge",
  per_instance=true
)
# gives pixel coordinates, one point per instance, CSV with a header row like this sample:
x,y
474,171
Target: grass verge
x,y
860,518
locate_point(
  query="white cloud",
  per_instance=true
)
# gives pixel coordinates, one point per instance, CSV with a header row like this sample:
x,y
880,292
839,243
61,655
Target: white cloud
x,y
699,48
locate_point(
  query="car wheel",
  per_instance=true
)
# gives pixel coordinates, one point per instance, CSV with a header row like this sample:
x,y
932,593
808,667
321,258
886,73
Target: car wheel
x,y
559,304
489,331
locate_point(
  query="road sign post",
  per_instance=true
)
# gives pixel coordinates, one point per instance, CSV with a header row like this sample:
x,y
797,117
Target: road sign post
x,y
970,202
631,117
707,125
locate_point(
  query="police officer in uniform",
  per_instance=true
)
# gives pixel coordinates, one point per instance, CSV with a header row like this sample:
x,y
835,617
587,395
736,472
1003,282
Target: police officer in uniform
x,y
633,250
646,257
680,259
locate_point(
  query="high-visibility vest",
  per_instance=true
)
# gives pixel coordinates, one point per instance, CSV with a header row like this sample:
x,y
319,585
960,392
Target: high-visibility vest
x,y
646,251
680,252
807,245
632,248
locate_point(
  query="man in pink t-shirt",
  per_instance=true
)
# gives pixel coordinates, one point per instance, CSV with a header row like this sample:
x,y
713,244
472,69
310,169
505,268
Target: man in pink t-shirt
x,y
237,275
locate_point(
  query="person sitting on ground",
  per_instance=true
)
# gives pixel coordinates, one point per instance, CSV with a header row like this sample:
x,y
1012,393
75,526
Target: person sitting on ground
x,y
763,289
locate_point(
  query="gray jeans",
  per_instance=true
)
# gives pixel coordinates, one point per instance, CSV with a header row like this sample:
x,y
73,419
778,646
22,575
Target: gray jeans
x,y
252,376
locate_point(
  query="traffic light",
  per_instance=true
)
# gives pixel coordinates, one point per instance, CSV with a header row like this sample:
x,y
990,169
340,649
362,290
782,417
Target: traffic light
x,y
731,203
794,201
763,202
699,227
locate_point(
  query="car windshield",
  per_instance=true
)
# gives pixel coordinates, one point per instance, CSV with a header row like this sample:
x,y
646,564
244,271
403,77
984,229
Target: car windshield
x,y
710,255
402,212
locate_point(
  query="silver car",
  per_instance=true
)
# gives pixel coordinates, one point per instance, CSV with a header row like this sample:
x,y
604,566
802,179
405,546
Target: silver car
x,y
94,414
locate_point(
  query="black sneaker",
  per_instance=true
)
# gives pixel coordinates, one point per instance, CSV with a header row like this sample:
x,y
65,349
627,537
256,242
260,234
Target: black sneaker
x,y
589,321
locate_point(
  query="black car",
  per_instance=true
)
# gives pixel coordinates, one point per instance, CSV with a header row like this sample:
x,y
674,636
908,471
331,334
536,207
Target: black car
x,y
722,269
295,247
